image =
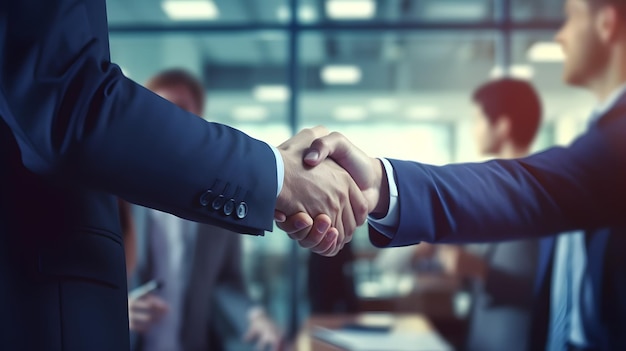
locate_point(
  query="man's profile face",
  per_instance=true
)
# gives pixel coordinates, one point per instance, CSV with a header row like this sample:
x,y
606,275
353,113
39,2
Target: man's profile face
x,y
585,54
181,96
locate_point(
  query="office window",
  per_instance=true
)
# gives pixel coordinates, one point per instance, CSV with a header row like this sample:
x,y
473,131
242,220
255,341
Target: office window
x,y
537,10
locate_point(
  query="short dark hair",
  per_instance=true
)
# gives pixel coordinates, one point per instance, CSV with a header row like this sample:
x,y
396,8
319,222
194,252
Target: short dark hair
x,y
619,4
516,99
179,76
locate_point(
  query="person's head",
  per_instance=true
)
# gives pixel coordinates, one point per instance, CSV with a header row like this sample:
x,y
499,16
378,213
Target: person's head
x,y
179,87
592,31
508,112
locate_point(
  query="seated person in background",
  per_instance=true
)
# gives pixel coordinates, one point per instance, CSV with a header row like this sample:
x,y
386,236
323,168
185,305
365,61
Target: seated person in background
x,y
198,265
508,114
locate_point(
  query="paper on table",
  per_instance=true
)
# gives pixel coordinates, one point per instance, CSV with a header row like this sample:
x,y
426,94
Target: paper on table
x,y
354,340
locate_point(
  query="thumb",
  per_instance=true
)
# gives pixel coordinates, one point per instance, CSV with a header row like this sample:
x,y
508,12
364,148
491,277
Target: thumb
x,y
334,145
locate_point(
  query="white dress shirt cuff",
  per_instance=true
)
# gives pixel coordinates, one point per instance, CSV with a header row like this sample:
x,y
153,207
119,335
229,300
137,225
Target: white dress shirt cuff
x,y
386,224
280,169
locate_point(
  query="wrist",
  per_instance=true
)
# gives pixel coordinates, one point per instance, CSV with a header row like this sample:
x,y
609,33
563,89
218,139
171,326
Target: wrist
x,y
380,198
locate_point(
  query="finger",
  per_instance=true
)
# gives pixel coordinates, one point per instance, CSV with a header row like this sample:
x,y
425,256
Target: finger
x,y
327,243
297,226
141,307
315,236
359,204
279,216
340,246
332,250
139,327
141,317
347,215
160,305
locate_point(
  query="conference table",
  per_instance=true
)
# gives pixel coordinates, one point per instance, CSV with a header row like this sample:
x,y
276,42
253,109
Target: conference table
x,y
412,323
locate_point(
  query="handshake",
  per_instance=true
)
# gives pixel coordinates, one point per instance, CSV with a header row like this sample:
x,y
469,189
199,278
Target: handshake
x,y
330,187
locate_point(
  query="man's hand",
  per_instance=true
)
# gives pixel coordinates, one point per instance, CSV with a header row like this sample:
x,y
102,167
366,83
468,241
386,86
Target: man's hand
x,y
307,232
368,173
263,332
326,189
145,311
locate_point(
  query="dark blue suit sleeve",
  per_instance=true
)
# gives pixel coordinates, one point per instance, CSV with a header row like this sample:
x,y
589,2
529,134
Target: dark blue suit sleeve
x,y
579,187
78,120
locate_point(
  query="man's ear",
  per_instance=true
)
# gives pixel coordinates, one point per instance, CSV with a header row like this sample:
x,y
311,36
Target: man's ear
x,y
502,127
608,23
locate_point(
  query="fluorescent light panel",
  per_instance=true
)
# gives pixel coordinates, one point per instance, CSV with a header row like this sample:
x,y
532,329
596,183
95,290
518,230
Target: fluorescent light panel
x,y
546,52
350,9
350,113
341,74
422,112
522,71
516,71
185,10
271,93
250,113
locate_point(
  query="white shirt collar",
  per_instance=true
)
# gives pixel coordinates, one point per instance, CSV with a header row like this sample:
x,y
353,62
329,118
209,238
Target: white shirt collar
x,y
605,106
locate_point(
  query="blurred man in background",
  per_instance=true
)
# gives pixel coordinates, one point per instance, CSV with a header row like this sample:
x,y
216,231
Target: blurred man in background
x,y
507,117
198,265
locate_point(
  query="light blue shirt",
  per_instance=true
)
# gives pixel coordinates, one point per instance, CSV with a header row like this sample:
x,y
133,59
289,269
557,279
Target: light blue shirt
x,y
568,269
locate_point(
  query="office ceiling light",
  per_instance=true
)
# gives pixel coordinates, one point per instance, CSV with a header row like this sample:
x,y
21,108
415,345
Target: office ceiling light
x,y
190,10
420,112
350,9
546,52
341,74
522,71
350,113
516,71
271,93
250,113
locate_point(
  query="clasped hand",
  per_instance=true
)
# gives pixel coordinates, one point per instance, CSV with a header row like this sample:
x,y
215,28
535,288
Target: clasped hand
x,y
329,189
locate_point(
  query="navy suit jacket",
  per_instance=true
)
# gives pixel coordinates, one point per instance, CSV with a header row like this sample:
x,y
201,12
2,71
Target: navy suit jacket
x,y
582,186
74,130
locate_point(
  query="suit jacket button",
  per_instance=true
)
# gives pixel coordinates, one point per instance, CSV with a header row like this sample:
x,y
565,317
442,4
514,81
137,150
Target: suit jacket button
x,y
229,207
242,210
205,198
218,202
